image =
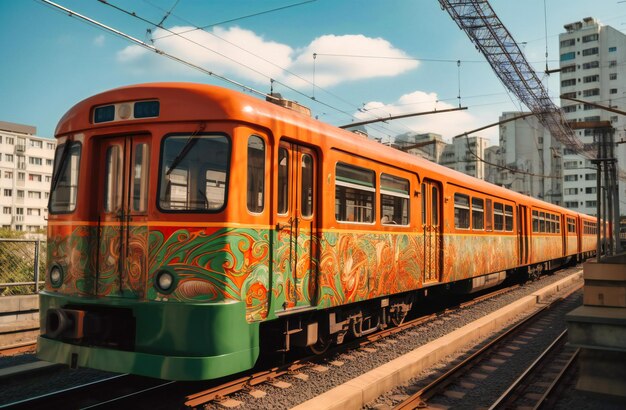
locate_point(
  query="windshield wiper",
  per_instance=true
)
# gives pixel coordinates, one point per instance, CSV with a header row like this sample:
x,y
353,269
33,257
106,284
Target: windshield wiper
x,y
57,175
191,141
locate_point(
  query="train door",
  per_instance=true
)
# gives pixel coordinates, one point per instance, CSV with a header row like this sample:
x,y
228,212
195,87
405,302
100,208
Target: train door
x,y
523,234
295,249
122,215
432,228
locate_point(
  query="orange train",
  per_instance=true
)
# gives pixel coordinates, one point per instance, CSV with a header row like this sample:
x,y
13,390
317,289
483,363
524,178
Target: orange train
x,y
185,218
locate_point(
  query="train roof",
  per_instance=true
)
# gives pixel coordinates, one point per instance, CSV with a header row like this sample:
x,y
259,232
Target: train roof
x,y
206,102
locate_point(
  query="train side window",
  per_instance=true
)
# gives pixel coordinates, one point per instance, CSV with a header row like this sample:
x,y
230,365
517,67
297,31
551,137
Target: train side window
x,y
307,185
354,194
423,195
434,206
394,200
256,174
113,179
508,218
558,224
498,216
535,221
489,215
461,211
194,172
283,181
478,214
140,178
542,221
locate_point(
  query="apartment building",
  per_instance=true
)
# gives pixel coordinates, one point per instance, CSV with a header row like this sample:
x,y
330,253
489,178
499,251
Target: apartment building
x,y
26,162
593,69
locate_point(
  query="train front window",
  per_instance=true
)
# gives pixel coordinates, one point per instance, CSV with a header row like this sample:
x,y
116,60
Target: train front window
x,y
194,173
64,187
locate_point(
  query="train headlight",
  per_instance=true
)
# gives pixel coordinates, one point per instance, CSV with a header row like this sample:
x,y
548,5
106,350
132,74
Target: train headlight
x,y
56,276
165,281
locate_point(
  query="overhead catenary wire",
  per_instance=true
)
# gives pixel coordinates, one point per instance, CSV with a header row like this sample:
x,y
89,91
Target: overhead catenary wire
x,y
272,80
152,48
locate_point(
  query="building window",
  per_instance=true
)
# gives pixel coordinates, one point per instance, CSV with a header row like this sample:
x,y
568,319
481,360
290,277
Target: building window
x,y
590,204
35,161
590,37
8,192
570,191
571,205
591,92
591,51
570,178
19,211
36,144
20,193
613,76
591,64
614,118
34,195
592,118
568,56
568,69
34,177
8,174
612,49
567,43
613,63
590,177
8,157
569,95
48,162
569,108
591,78
590,190
6,210
613,91
568,83
10,140
49,145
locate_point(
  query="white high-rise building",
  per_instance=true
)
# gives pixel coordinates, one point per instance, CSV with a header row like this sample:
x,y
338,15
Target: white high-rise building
x,y
530,159
25,175
593,69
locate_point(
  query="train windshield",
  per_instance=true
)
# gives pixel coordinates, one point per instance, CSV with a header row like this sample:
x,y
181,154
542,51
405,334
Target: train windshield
x,y
64,187
194,172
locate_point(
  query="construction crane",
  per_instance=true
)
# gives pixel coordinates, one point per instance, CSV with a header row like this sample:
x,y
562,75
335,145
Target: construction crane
x,y
481,24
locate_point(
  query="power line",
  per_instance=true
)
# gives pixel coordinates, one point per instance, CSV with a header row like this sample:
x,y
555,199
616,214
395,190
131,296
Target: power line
x,y
72,13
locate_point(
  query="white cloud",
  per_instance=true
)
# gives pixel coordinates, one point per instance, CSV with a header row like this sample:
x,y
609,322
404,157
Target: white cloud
x,y
447,124
99,41
250,57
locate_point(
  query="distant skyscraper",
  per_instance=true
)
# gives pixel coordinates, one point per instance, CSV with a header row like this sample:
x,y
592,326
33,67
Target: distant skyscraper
x,y
593,68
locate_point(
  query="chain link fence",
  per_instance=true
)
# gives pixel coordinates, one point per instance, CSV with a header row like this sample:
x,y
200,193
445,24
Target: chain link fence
x,y
22,266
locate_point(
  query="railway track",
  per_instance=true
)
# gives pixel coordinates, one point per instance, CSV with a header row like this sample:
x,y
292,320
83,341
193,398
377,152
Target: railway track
x,y
122,392
450,388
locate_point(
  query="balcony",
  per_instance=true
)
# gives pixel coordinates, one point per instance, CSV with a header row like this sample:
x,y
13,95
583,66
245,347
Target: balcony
x,y
18,218
20,148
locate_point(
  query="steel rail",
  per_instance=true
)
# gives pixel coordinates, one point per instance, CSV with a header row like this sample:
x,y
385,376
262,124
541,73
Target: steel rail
x,y
418,399
508,396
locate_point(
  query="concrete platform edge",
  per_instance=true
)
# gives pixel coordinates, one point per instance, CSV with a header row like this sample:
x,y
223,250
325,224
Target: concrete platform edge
x,y
356,393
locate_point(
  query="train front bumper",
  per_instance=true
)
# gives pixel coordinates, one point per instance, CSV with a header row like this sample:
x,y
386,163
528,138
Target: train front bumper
x,y
170,340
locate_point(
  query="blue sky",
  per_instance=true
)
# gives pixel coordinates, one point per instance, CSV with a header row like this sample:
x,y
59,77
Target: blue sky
x,y
52,61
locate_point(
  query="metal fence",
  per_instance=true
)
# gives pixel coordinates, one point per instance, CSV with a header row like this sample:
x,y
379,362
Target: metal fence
x,y
22,266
